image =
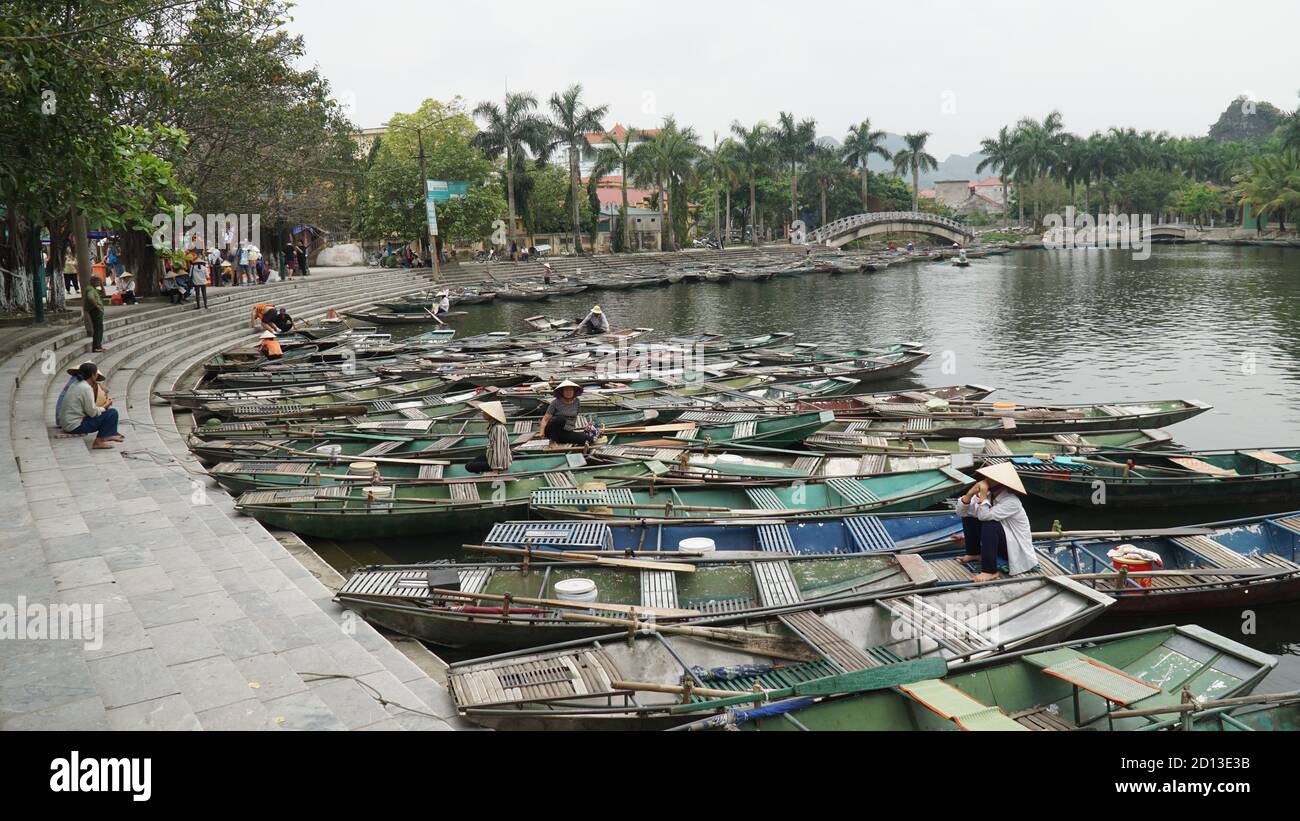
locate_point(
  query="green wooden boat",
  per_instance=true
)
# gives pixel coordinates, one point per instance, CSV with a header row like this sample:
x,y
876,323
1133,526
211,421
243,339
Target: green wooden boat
x,y
399,597
820,498
1194,477
801,642
714,429
711,344
383,511
1271,717
1069,686
734,463
407,424
810,353
241,476
976,418
846,441
873,368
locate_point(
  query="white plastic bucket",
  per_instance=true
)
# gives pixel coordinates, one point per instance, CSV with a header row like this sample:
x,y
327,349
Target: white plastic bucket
x,y
331,451
697,546
576,590
378,491
361,468
971,444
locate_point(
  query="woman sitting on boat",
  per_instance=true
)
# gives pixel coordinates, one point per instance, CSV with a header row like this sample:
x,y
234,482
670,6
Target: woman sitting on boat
x,y
595,323
995,524
444,304
497,458
559,424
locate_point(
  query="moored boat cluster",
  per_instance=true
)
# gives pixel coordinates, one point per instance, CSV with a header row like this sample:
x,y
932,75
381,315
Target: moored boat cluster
x,y
755,535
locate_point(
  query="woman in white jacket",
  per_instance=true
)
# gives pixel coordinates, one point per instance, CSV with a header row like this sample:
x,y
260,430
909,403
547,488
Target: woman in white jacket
x,y
995,524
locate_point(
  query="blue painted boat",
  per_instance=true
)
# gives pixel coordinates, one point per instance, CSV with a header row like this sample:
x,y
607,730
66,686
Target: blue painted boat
x,y
850,534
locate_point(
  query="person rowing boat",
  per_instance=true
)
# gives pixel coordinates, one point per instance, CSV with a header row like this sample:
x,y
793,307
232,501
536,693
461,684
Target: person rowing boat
x,y
995,524
595,323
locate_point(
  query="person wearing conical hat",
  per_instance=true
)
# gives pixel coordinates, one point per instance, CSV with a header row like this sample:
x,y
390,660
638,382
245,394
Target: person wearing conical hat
x,y
270,346
995,524
560,422
595,323
497,458
444,304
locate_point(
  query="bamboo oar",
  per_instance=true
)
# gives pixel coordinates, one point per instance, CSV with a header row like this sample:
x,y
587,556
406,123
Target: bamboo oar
x,y
323,457
642,564
1047,457
652,687
1196,707
782,647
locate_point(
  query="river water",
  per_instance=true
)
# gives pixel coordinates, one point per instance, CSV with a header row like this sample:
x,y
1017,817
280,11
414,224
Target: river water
x,y
1216,323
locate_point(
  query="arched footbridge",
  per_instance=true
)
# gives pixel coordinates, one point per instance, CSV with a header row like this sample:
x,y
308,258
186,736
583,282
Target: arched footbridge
x,y
860,226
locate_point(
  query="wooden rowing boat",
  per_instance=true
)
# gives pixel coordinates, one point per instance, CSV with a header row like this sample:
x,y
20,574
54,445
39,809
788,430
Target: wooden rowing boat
x,y
849,440
400,598
1074,685
814,499
396,509
1194,477
584,684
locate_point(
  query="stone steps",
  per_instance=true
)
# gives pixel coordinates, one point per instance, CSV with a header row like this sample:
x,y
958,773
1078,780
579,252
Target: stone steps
x,y
211,622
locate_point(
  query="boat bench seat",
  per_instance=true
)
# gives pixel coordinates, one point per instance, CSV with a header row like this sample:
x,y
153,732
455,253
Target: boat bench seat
x,y
1089,674
927,620
942,698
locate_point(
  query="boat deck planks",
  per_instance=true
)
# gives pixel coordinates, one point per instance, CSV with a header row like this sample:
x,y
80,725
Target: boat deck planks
x,y
776,584
826,640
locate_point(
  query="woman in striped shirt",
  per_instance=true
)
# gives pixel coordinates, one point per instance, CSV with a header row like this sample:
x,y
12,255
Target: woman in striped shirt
x,y
497,458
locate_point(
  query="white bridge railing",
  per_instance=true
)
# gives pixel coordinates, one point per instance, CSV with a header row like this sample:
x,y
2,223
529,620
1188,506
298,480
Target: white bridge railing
x,y
845,224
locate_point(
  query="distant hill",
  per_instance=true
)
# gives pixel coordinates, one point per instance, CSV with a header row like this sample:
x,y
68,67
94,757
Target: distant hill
x,y
955,167
1245,119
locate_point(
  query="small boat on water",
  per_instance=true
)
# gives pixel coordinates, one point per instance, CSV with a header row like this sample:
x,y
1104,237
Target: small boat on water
x,y
819,498
866,533
618,683
991,448
1085,684
1194,477
421,318
396,509
462,605
521,295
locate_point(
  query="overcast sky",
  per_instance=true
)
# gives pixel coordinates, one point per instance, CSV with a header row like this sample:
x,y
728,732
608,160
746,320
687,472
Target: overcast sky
x,y
957,69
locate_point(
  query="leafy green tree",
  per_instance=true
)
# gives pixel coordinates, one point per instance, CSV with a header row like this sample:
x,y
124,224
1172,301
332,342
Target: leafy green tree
x,y
999,156
793,143
615,154
751,148
570,122
510,130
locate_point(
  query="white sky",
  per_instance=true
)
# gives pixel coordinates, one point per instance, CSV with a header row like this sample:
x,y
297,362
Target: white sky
x,y
957,69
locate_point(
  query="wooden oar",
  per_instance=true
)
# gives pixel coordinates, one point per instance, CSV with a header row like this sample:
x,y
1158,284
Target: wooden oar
x,y
435,316
782,647
641,564
1121,534
341,458
1198,706
668,612
1047,457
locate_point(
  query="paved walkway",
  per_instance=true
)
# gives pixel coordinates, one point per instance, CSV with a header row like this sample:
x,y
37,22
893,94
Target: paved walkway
x,y
209,621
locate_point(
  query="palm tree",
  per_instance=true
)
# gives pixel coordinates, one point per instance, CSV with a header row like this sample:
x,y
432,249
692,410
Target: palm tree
x,y
793,143
825,170
999,156
859,145
571,120
1272,186
1038,151
752,150
913,158
617,154
716,164
667,161
509,130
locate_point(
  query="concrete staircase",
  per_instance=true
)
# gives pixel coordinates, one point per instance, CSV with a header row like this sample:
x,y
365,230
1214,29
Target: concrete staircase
x,y
209,621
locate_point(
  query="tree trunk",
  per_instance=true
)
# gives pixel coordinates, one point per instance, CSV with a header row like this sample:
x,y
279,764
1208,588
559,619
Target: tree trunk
x,y
573,185
823,222
866,203
627,223
794,193
717,212
665,224
723,242
1006,203
510,196
916,187
753,215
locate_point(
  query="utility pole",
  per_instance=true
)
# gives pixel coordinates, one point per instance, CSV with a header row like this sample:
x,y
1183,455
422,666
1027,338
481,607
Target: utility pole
x,y
424,188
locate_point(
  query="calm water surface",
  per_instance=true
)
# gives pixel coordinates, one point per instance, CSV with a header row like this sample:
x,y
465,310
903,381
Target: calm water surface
x,y
1218,324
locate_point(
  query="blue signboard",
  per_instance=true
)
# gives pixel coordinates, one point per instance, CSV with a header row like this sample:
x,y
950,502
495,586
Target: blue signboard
x,y
446,190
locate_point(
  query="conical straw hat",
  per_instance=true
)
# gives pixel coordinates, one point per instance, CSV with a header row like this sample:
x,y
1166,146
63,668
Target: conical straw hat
x,y
493,410
1004,474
